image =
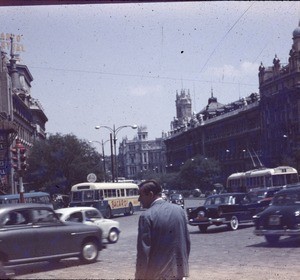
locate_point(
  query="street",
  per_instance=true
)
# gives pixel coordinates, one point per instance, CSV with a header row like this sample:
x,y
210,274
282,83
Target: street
x,y
218,254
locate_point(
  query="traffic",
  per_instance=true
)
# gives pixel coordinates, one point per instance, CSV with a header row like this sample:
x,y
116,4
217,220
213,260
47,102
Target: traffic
x,y
93,205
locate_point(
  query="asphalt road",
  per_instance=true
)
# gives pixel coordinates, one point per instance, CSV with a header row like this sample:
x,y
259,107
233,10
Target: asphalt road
x,y
215,255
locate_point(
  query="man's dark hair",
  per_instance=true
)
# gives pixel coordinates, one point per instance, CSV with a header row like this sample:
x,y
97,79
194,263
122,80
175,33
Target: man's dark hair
x,y
151,186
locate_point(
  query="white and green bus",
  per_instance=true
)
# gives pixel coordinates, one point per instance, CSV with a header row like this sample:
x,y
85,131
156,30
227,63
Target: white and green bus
x,y
108,198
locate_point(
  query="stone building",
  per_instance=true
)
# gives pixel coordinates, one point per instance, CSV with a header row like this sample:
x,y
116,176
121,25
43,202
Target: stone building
x,y
141,155
21,116
260,129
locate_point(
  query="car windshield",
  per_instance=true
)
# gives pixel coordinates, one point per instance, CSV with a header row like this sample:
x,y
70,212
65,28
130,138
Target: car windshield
x,y
287,199
176,196
93,214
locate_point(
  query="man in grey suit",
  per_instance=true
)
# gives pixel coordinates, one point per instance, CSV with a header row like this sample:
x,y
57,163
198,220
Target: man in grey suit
x,y
163,244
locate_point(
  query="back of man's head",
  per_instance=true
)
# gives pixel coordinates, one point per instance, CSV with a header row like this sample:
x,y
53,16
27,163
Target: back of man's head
x,y
151,186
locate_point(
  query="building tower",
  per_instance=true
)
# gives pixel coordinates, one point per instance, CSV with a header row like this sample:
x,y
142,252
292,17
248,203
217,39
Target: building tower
x,y
183,110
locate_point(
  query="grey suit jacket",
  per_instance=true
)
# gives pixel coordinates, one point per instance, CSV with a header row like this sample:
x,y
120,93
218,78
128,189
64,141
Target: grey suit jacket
x,y
163,244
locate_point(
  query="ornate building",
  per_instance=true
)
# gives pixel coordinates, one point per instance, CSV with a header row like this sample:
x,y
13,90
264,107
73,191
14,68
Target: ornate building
x,y
21,116
141,155
261,129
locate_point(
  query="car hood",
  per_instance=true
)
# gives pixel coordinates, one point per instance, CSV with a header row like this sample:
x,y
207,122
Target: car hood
x,y
104,221
280,210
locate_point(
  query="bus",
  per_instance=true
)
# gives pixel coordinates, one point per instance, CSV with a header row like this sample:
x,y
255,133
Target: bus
x,y
108,198
262,178
31,197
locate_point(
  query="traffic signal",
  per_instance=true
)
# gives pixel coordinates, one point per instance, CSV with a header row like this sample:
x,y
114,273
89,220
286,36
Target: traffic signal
x,y
15,159
23,157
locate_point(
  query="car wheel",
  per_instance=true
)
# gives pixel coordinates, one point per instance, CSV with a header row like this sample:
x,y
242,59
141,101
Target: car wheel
x,y
203,228
129,211
108,213
234,223
113,236
272,239
89,252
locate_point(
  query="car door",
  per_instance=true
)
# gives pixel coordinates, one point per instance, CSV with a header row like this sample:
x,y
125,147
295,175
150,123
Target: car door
x,y
17,236
53,236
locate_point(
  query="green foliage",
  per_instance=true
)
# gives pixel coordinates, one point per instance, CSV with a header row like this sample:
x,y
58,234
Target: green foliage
x,y
61,161
199,172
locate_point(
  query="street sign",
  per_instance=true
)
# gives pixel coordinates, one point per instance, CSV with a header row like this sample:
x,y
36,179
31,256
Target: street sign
x,y
91,178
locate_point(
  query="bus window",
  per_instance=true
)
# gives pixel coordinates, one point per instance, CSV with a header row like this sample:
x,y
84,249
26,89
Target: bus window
x,y
122,192
77,196
88,195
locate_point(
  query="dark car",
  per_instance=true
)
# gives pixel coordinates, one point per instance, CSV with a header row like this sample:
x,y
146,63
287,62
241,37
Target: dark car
x,y
281,218
229,209
264,195
33,232
177,198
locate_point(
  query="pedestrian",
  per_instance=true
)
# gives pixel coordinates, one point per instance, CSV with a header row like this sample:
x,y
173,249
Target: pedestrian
x,y
163,243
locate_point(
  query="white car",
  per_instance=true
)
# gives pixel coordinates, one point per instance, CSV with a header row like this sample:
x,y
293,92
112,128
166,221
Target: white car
x,y
91,216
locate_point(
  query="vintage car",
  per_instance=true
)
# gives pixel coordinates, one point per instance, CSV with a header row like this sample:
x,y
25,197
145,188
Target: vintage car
x,y
264,195
177,198
33,233
91,216
281,218
229,209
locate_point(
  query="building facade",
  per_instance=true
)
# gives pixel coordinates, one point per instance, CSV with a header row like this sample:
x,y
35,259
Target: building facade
x,y
259,130
141,156
21,116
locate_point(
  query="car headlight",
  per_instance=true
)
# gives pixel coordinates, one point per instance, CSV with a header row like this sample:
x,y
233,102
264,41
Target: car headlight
x,y
201,214
297,213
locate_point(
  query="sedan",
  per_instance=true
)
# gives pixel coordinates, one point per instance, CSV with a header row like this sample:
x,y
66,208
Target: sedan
x,y
231,209
281,218
177,198
91,216
33,232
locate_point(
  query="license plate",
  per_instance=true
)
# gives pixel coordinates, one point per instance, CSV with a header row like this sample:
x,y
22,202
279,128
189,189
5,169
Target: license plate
x,y
274,220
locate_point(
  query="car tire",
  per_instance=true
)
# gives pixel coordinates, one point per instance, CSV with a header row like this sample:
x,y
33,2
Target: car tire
x,y
108,214
89,252
272,239
203,228
113,236
129,211
234,223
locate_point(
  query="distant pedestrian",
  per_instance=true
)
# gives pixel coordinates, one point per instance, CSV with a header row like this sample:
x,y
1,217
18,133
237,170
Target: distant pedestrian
x,y
163,244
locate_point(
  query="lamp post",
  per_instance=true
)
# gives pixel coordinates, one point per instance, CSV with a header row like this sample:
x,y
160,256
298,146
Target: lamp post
x,y
103,155
114,131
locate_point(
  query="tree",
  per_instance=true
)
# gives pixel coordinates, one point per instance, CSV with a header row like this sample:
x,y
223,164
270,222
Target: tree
x,y
200,173
60,162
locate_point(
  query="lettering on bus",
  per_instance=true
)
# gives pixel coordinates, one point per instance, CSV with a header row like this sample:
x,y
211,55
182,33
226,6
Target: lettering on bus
x,y
117,203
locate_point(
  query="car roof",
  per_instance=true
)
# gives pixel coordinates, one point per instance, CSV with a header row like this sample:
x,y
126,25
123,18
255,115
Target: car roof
x,y
17,206
289,190
69,210
226,194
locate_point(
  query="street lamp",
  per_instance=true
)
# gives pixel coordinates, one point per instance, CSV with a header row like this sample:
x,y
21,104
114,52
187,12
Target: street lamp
x,y
114,131
103,155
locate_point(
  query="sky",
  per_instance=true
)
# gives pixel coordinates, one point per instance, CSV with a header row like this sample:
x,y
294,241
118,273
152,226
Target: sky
x,y
122,64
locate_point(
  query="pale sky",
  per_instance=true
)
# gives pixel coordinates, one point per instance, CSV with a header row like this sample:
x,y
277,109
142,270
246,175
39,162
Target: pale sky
x,y
121,64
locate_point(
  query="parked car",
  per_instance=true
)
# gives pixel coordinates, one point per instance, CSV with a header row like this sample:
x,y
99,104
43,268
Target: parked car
x,y
281,218
91,216
164,196
177,198
33,233
231,209
263,195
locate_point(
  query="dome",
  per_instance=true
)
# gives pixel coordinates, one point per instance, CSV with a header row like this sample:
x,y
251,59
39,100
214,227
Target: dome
x,y
296,32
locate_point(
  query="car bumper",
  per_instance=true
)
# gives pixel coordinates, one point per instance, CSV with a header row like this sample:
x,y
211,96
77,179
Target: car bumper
x,y
211,221
278,232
